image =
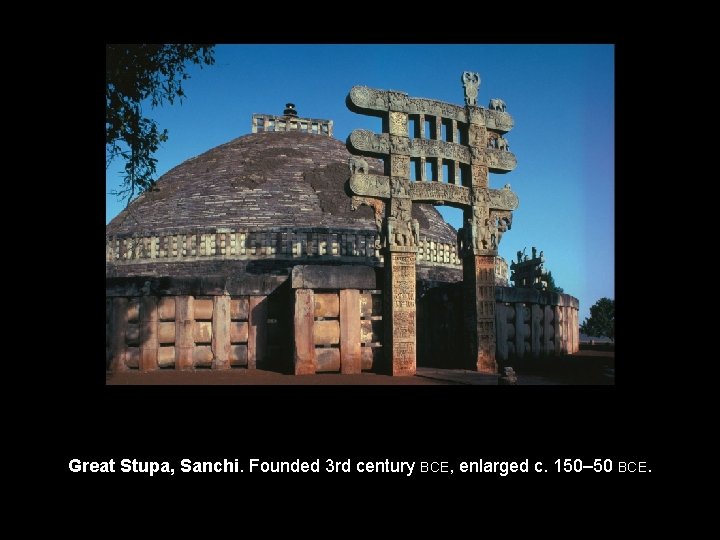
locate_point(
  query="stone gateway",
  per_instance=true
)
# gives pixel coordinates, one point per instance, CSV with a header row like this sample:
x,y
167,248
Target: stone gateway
x,y
288,250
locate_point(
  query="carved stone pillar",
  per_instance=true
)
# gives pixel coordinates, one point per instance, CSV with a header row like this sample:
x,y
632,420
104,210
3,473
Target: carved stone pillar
x,y
400,313
400,256
479,304
480,253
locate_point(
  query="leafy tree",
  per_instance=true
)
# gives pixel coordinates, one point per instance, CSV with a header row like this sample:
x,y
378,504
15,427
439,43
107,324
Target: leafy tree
x,y
602,319
133,74
551,284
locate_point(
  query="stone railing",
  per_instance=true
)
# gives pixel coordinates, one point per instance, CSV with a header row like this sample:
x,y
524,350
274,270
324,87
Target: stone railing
x,y
223,323
532,323
276,244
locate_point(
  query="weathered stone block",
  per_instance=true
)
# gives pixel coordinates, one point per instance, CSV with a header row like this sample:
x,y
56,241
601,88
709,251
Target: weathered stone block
x,y
239,309
166,308
333,277
371,357
239,332
132,334
118,334
327,305
327,359
202,331
203,310
238,355
371,331
133,310
166,357
326,332
166,332
203,356
132,357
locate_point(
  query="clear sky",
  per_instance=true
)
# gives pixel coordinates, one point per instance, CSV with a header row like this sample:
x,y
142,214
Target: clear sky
x,y
561,98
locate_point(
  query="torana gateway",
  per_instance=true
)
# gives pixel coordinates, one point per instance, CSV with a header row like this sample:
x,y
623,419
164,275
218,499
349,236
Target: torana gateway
x,y
288,250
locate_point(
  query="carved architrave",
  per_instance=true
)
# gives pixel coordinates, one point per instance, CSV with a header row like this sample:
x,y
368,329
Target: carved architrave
x,y
371,99
439,149
362,97
373,185
500,160
370,185
503,199
501,121
365,141
438,191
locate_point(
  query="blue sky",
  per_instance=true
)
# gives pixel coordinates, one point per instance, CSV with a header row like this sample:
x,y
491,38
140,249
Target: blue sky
x,y
560,96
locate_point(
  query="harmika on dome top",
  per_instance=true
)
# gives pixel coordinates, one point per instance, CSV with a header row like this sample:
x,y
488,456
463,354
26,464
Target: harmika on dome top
x,y
278,195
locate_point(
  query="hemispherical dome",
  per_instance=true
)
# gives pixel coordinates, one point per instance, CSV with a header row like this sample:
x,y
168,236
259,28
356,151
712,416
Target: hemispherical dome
x,y
262,181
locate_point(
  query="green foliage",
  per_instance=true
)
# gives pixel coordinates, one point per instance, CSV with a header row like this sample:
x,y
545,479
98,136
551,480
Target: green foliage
x,y
551,284
133,74
602,319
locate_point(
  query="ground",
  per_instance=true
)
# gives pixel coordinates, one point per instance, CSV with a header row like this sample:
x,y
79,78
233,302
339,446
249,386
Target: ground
x,y
593,366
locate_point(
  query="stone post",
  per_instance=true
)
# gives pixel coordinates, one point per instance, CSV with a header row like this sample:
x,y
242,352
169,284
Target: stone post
x,y
400,255
501,322
304,354
148,334
221,332
479,307
184,323
399,317
536,330
257,331
548,333
117,337
479,256
350,331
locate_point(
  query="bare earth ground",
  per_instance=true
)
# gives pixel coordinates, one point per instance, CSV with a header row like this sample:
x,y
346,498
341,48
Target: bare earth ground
x,y
588,367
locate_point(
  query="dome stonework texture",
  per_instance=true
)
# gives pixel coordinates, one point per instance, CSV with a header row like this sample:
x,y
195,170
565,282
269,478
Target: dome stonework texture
x,y
257,181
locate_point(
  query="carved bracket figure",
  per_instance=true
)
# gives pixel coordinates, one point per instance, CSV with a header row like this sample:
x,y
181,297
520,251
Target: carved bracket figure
x,y
378,207
471,82
502,144
504,223
403,233
358,165
497,105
